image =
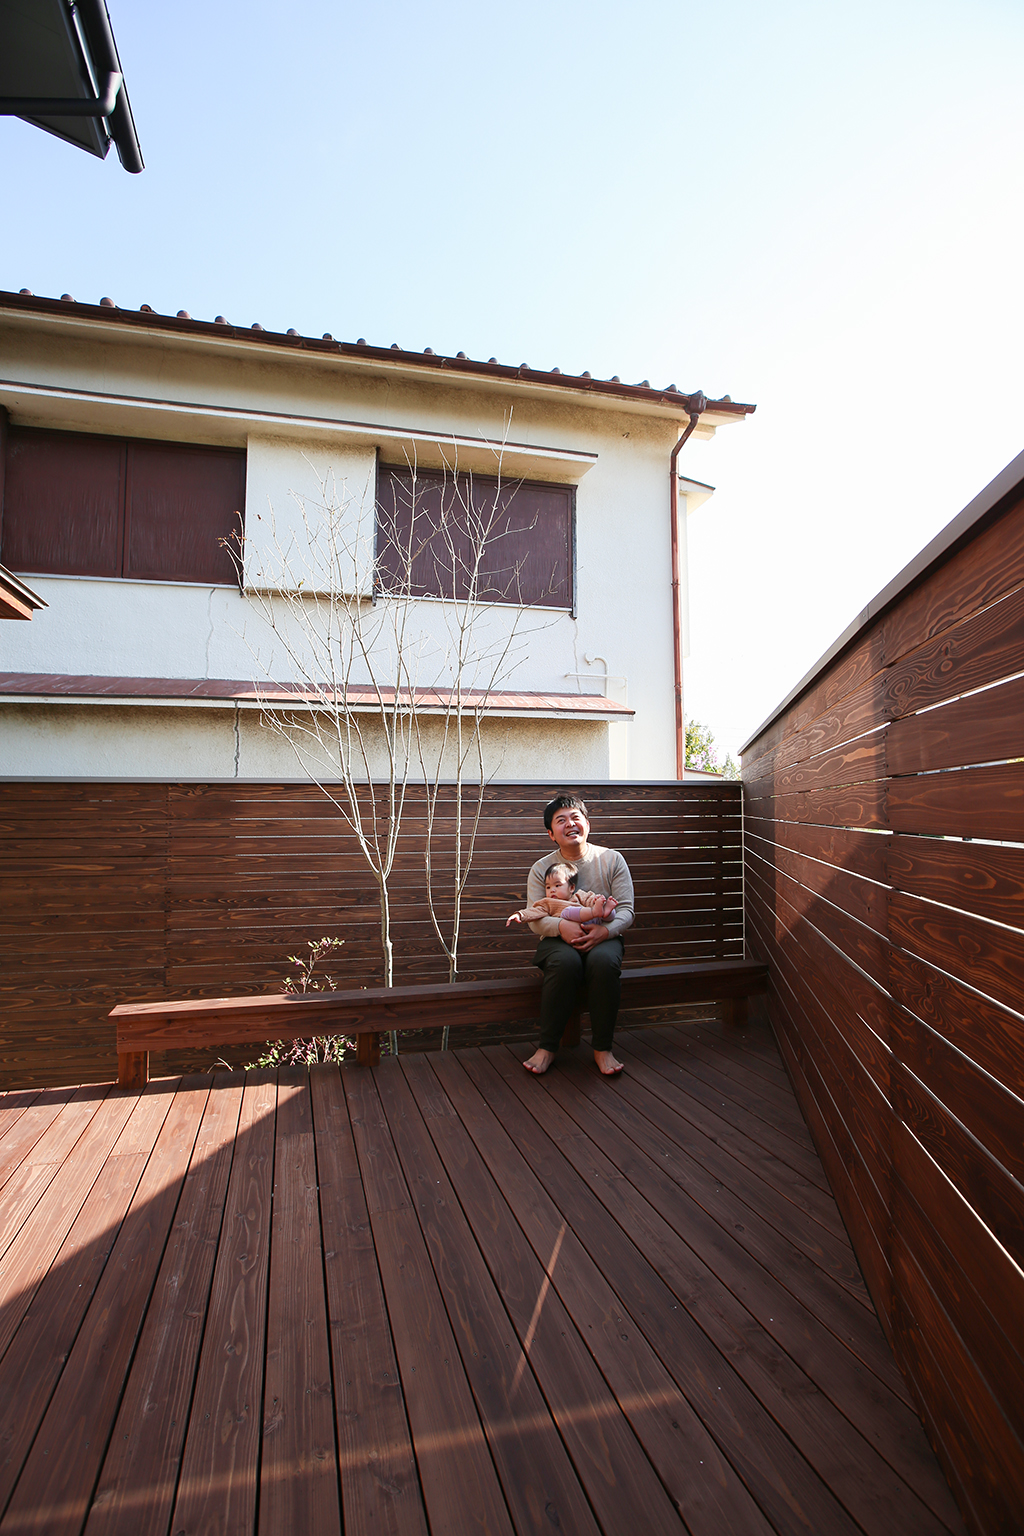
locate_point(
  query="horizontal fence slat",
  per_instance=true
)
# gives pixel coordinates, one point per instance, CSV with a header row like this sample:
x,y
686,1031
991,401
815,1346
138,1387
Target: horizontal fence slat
x,y
986,727
985,1033
118,892
891,913
979,953
981,648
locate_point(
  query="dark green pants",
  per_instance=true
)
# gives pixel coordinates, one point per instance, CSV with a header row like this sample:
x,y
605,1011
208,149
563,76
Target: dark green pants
x,y
565,971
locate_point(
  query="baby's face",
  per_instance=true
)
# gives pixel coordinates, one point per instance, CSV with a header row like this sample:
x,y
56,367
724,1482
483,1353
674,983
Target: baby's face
x,y
557,885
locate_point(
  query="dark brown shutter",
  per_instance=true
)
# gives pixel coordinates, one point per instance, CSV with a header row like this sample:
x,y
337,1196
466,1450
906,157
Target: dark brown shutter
x,y
181,503
80,505
431,526
62,503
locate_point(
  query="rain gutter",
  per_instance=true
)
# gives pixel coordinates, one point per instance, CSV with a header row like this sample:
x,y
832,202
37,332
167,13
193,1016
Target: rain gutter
x,y
695,404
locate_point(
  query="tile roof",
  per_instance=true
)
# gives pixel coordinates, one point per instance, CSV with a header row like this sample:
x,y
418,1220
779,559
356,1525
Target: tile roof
x,y
326,345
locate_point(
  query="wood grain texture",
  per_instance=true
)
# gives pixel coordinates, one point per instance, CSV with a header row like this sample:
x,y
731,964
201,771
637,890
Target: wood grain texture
x,y
461,1488
696,1354
971,802
136,1490
984,727
379,1481
67,1453
928,1172
121,892
535,1471
298,1465
217,1481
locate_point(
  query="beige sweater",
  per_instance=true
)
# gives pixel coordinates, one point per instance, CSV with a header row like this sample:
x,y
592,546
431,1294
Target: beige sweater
x,y
601,870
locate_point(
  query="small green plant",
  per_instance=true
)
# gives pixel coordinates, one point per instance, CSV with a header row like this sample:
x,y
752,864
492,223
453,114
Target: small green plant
x,y
306,965
318,1048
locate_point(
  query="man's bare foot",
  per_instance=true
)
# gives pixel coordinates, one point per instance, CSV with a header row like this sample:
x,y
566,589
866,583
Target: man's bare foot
x,y
607,1064
539,1061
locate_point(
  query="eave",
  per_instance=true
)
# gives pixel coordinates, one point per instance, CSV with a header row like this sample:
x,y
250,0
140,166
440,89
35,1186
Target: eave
x,y
111,322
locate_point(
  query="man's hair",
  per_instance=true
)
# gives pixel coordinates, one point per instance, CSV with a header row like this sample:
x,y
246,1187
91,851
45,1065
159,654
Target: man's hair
x,y
563,802
572,878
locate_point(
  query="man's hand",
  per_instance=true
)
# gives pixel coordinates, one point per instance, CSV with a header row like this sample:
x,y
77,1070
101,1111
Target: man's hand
x,y
595,933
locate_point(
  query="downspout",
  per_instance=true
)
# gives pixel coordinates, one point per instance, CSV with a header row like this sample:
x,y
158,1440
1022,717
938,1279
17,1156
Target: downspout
x,y
695,405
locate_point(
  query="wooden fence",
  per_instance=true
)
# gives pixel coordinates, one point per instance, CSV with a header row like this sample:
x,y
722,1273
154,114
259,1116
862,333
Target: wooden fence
x,y
885,884
139,891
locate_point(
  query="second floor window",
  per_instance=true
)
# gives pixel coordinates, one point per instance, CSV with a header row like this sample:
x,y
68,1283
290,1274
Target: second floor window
x,y
445,535
82,505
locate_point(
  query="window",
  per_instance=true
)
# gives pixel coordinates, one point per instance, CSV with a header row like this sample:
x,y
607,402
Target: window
x,y
432,528
76,505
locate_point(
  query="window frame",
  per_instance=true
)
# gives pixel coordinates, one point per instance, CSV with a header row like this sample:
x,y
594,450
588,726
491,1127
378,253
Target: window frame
x,y
515,483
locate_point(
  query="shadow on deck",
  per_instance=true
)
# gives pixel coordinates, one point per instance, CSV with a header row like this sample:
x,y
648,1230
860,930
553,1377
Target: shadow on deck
x,y
443,1296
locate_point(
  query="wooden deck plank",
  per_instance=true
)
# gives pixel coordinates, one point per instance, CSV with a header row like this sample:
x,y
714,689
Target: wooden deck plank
x,y
740,1195
380,1489
750,1043
551,1202
803,1323
28,1258
775,1105
870,1472
678,1076
623,1488
298,1467
536,1474
764,1466
726,1243
39,1350
461,1489
852,1322
24,1130
691,1123
139,1478
220,1461
34,1161
13,1104
476,1299
57,1481
757,1074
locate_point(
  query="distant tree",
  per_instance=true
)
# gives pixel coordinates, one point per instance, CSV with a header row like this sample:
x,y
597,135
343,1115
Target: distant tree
x,y
702,753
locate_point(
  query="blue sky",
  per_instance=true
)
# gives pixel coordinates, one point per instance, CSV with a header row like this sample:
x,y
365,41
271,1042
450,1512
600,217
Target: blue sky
x,y
813,206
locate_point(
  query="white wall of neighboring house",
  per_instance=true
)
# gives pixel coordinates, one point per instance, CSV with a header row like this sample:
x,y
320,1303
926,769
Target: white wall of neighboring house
x,y
307,423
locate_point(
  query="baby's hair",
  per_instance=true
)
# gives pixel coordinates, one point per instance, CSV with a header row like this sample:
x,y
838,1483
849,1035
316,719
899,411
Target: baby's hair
x,y
571,876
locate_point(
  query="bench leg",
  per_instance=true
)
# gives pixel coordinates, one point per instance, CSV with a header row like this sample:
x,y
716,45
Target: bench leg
x,y
368,1049
736,1011
132,1069
571,1033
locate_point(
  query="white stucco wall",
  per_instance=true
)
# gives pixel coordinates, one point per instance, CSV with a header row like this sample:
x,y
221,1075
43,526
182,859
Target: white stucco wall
x,y
168,742
328,424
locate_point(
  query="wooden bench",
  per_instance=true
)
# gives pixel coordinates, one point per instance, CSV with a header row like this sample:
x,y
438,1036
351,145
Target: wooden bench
x,y
369,1012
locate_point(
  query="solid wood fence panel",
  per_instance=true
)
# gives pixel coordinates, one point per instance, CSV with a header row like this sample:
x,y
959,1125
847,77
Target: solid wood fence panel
x,y
884,883
124,892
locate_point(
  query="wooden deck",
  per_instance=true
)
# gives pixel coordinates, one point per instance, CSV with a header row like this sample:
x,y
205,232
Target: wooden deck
x,y
440,1295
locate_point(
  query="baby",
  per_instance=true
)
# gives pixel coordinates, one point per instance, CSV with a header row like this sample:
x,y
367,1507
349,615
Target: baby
x,y
562,899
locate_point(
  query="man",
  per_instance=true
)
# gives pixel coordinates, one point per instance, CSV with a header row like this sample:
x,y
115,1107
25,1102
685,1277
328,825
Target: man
x,y
567,958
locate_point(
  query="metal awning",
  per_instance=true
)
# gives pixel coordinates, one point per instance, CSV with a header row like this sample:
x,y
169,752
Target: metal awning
x,y
64,688
16,600
59,70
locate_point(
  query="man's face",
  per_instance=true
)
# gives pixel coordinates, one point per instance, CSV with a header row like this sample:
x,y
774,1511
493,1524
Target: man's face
x,y
570,830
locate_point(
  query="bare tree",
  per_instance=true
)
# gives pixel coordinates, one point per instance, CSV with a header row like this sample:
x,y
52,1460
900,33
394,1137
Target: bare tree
x,y
397,623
